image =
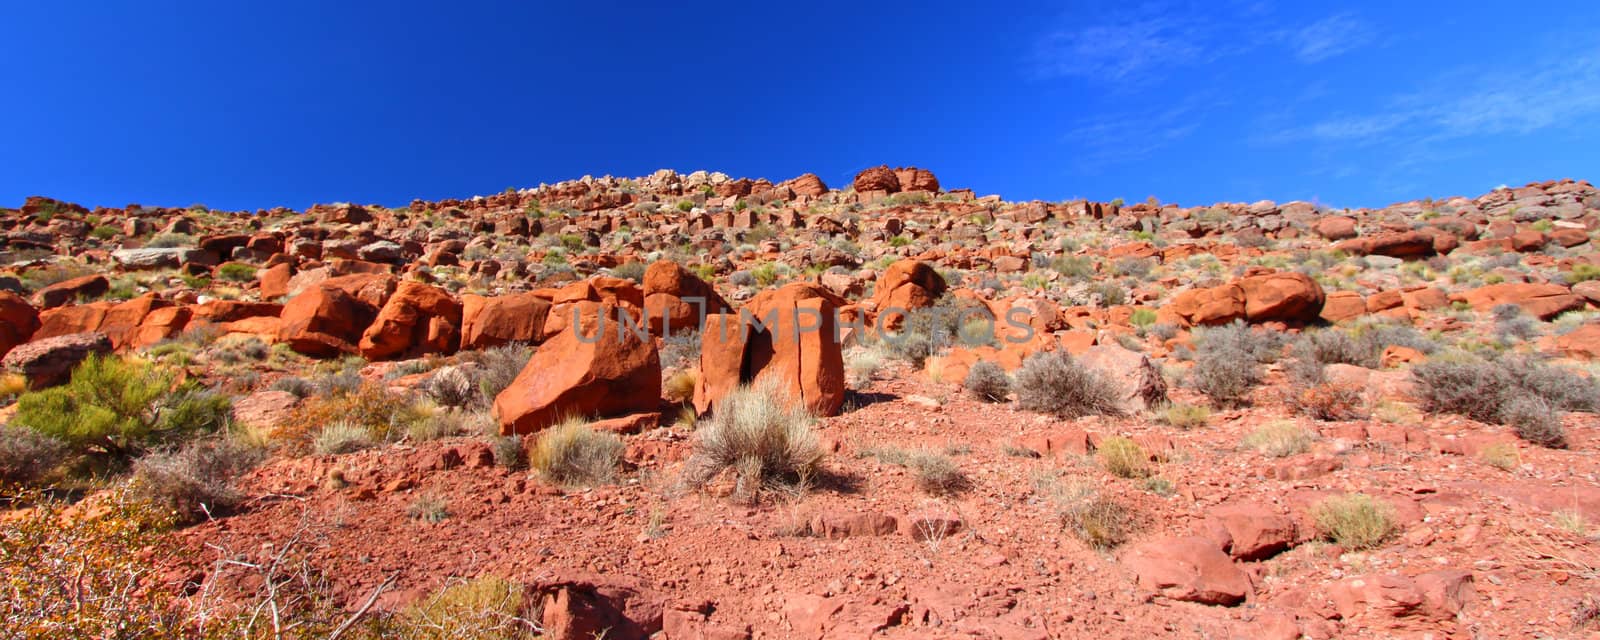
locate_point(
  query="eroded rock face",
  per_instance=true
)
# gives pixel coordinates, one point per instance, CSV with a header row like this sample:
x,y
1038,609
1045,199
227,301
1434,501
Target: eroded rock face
x,y
1282,297
66,291
493,321
418,319
1188,568
877,179
907,285
324,321
798,350
1543,301
676,299
595,369
18,321
49,362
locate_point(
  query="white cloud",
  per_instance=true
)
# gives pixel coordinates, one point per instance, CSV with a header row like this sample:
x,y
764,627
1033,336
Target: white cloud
x,y
1328,37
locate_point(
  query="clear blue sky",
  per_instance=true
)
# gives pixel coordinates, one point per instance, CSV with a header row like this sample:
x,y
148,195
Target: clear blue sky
x,y
256,104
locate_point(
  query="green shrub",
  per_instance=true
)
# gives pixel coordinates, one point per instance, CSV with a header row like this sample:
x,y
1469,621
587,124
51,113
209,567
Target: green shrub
x,y
121,407
105,232
629,271
573,454
1355,521
170,241
986,381
1142,317
764,434
1053,382
236,272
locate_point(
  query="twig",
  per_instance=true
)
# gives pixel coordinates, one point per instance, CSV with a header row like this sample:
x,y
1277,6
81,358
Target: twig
x,y
371,600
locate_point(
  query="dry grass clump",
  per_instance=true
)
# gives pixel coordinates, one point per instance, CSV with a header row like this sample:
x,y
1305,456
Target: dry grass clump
x,y
988,382
679,387
195,482
937,474
572,454
1329,401
1516,391
342,437
487,608
1355,521
762,433
428,507
1184,416
1279,439
509,452
1055,383
1123,457
1501,455
28,457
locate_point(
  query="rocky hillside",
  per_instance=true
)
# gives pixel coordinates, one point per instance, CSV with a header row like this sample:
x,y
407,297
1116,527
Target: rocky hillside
x,y
1008,420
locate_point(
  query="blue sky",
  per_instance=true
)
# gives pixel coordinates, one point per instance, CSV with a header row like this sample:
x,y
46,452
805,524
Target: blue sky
x,y
249,105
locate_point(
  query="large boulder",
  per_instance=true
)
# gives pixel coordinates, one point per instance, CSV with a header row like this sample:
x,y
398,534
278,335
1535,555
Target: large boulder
x,y
594,369
418,319
49,362
18,321
1188,568
122,320
1208,306
880,178
1395,244
493,321
1284,296
914,179
907,285
676,299
1252,532
74,290
796,347
806,185
1543,301
1138,380
70,319
324,321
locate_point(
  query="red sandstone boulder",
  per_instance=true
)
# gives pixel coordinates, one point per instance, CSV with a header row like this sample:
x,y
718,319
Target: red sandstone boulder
x,y
491,322
596,369
1189,568
806,185
676,299
914,179
49,362
1543,301
1205,307
70,319
1395,244
796,347
906,285
18,321
67,291
418,319
1252,532
1336,227
1338,306
324,321
1285,297
880,178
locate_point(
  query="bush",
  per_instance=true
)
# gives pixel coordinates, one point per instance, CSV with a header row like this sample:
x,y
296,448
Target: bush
x,y
761,432
1329,401
489,608
27,456
1101,523
121,407
937,474
1279,439
1055,383
342,437
1185,416
629,271
451,387
1225,374
236,272
1123,457
170,241
509,452
862,364
104,232
501,365
1142,317
371,408
1516,391
300,387
572,454
986,381
194,482
428,507
1355,521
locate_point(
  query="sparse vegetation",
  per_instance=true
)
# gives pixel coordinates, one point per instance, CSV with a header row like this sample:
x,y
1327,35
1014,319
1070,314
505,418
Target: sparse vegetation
x,y
986,381
1184,416
1279,439
1123,458
1515,390
121,408
761,433
1055,383
1356,521
194,482
572,454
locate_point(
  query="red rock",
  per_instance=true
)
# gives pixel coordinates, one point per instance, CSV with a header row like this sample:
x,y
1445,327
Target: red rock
x,y
1569,237
806,185
676,299
930,525
274,281
879,178
491,322
838,525
1336,227
606,371
77,318
1253,532
324,321
74,290
635,423
49,362
914,179
1339,306
906,285
265,410
1446,593
418,319
1526,241
1387,595
160,324
220,311
1395,355
1583,342
18,321
1543,301
1204,307
1138,380
124,318
1285,296
1402,244
1188,568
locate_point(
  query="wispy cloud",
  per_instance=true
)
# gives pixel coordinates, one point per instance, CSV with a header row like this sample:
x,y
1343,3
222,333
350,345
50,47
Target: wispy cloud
x,y
1148,40
1128,137
1328,37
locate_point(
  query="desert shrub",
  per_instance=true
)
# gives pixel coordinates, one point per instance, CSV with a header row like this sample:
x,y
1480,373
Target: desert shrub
x,y
104,232
345,381
83,576
931,330
1224,373
1331,346
451,387
679,387
988,382
1534,421
194,482
370,407
1510,323
1099,522
300,387
428,507
1109,293
1074,266
1184,416
572,454
487,608
501,365
236,272
1055,383
862,364
342,437
1355,521
1505,390
1329,401
170,241
742,279
1501,455
1123,457
1240,340
121,407
41,277
509,452
1142,317
27,456
936,474
1160,486
629,271
761,432
1279,439
1384,333
1163,330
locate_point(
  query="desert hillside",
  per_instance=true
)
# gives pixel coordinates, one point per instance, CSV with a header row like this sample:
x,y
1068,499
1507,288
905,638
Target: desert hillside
x,y
687,406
